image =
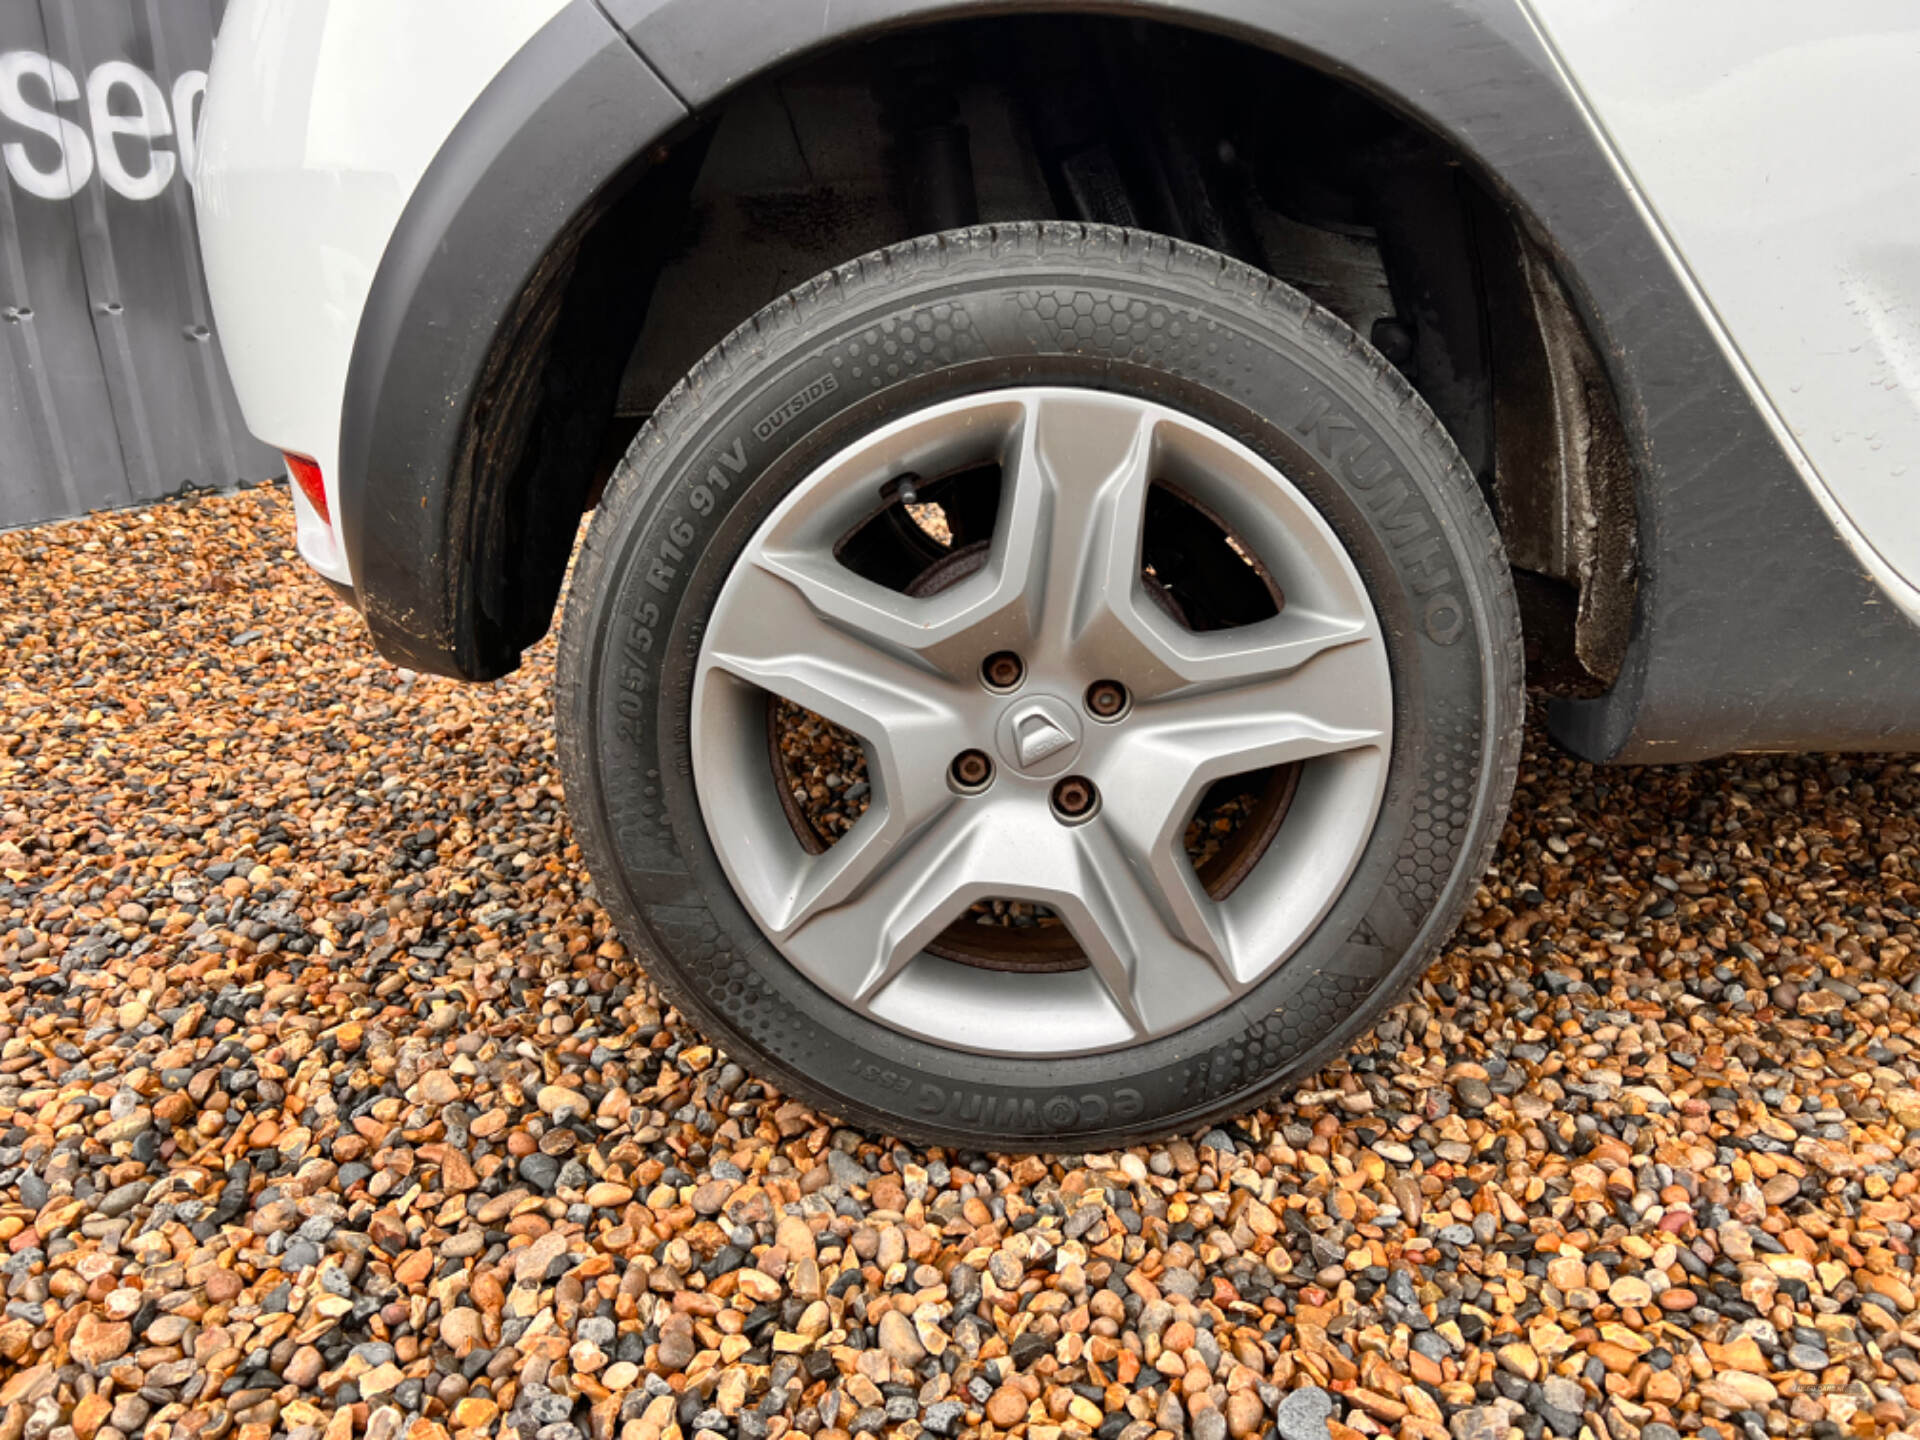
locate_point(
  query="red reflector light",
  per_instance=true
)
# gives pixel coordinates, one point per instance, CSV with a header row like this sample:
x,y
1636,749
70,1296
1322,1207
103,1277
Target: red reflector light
x,y
306,474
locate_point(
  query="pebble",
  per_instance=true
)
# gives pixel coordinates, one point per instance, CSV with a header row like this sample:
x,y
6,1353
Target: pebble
x,y
1006,1407
1479,1422
1630,1292
898,1339
1303,1414
97,1341
331,1103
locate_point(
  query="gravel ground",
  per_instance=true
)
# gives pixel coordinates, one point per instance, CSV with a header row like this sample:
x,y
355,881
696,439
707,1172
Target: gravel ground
x,y
329,1103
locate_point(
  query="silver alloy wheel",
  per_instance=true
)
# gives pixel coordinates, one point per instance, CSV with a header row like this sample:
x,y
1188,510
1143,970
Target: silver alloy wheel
x,y
1062,588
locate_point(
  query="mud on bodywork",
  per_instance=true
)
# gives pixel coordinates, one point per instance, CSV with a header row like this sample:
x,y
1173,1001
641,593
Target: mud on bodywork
x,y
1563,478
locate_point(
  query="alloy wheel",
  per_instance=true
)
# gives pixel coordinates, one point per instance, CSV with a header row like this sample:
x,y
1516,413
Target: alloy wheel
x,y
1041,723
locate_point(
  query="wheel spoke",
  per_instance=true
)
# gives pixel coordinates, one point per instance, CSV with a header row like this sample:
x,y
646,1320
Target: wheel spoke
x,y
952,629
910,720
1252,652
1156,973
888,902
1175,748
1079,478
1153,974
776,633
1081,475
1068,535
1338,702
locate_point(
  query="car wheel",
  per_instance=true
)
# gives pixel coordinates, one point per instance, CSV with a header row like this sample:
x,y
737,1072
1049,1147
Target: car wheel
x,y
1038,686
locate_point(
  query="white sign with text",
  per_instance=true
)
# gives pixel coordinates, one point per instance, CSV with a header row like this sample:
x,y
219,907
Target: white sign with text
x,y
127,119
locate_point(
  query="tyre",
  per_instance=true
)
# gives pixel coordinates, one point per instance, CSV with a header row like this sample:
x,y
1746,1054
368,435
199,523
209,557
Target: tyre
x,y
1039,686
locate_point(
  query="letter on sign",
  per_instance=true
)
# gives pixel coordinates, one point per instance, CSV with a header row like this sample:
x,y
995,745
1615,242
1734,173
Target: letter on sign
x,y
148,121
73,157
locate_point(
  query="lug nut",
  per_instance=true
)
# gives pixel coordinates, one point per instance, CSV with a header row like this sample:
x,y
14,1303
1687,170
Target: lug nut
x,y
1106,699
1074,798
1002,670
971,769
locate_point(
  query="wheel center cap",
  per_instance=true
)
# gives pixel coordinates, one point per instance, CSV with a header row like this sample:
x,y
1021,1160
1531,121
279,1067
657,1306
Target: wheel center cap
x,y
1038,735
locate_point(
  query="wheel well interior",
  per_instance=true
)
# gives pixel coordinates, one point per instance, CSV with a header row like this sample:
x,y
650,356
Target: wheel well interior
x,y
1099,119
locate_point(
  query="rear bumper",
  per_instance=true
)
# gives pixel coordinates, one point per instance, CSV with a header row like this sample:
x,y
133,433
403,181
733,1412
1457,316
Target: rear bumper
x,y
319,120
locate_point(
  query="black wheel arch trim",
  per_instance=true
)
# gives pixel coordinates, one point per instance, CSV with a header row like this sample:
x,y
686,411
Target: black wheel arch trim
x,y
552,135
1756,627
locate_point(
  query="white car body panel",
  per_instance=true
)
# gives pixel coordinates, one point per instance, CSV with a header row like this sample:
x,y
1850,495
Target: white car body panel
x,y
1771,142
321,117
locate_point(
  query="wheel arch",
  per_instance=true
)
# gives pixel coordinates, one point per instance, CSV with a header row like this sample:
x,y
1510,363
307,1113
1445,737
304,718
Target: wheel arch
x,y
463,407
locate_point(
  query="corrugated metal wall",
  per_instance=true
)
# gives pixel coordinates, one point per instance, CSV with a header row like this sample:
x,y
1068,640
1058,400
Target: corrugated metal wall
x,y
112,385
